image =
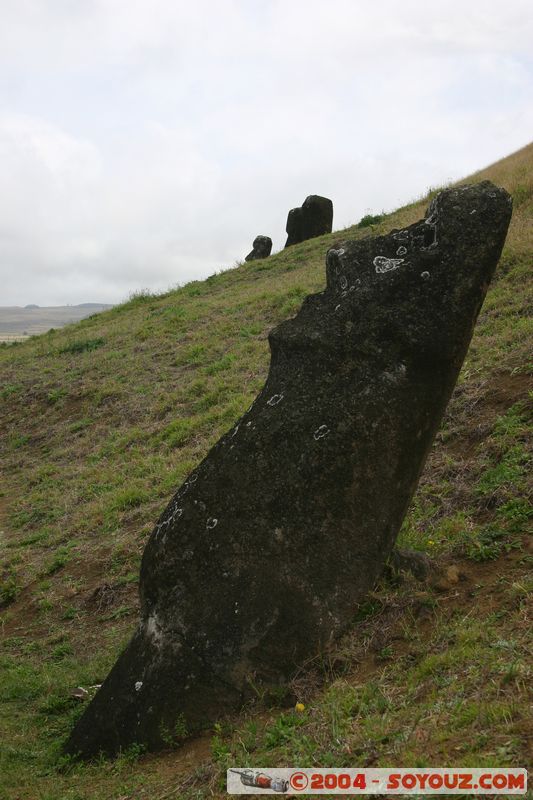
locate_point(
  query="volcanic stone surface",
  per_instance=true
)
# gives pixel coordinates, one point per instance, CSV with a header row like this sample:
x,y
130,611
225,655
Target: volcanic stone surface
x,y
313,218
261,248
260,558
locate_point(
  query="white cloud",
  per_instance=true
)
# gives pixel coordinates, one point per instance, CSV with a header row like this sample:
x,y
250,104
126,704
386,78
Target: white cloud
x,y
147,143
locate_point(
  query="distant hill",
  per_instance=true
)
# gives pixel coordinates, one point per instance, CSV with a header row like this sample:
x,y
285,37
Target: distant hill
x,y
95,306
17,323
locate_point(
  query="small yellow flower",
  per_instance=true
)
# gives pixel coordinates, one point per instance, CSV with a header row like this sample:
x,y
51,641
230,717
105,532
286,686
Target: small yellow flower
x,y
299,707
431,542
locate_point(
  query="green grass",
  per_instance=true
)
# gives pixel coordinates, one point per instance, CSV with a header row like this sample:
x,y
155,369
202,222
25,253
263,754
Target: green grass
x,y
81,346
101,422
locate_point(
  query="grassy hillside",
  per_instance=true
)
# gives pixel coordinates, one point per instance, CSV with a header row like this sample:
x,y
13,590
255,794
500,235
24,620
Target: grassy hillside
x,y
102,420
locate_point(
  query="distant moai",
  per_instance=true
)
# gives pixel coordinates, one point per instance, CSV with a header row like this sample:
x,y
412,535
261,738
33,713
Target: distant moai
x,y
261,248
313,218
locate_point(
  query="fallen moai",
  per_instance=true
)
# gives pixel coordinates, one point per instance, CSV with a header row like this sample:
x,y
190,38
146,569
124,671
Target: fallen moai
x,y
261,248
313,218
260,558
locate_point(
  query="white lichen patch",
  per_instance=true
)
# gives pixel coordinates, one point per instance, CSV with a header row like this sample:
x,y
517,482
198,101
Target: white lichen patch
x,y
395,375
401,236
321,432
431,222
384,264
152,630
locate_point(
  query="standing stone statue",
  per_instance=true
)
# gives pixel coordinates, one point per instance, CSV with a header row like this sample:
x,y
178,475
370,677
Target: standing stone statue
x,y
259,560
261,248
314,218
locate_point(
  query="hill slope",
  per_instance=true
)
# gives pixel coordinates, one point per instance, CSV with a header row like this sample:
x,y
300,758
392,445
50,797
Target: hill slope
x,y
100,423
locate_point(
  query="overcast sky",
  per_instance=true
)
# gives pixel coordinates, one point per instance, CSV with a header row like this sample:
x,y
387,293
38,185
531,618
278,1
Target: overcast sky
x,y
144,143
